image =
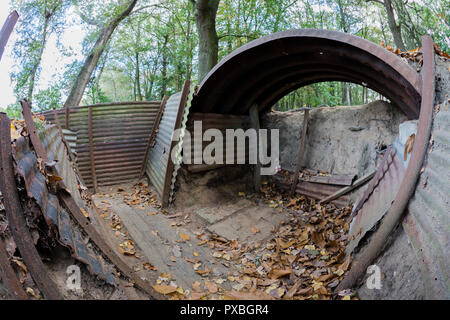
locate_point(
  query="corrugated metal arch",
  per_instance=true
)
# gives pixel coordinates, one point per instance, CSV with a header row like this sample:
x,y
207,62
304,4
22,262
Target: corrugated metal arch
x,y
266,69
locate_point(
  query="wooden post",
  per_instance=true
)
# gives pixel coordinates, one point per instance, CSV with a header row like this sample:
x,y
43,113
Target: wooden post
x,y
301,151
91,150
254,120
67,118
153,135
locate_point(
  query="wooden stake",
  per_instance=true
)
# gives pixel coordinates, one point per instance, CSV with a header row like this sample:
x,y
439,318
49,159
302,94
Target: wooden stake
x,y
91,150
301,151
254,120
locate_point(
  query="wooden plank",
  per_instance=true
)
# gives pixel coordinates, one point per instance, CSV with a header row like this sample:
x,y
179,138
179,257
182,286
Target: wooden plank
x,y
91,150
153,135
301,151
345,190
335,179
254,122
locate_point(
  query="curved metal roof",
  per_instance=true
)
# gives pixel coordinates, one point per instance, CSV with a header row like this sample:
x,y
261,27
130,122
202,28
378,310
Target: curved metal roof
x,y
264,70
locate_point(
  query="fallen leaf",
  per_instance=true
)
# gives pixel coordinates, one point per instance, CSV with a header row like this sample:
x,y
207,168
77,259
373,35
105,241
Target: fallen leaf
x,y
278,273
184,236
164,289
211,286
255,230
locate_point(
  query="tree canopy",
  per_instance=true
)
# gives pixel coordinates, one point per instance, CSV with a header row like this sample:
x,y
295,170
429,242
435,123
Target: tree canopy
x,y
144,49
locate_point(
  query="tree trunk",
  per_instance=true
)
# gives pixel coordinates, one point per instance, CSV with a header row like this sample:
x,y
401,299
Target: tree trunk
x,y
164,67
76,93
138,78
208,48
395,29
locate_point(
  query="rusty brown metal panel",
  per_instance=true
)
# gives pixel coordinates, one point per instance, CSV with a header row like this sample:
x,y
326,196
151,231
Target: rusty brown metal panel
x,y
159,155
266,69
411,176
54,214
117,129
428,222
61,208
7,29
177,124
16,218
91,150
377,198
220,122
151,139
313,190
8,276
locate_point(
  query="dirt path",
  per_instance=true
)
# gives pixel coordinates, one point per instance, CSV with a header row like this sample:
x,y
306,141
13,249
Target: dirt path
x,y
253,247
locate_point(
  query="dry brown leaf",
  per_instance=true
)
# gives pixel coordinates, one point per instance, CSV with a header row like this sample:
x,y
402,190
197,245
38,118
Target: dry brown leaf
x,y
344,266
196,286
237,295
184,236
164,289
278,273
211,286
149,266
255,230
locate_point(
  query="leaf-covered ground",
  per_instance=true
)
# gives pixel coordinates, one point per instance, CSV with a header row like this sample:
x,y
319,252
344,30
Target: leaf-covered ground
x,y
304,258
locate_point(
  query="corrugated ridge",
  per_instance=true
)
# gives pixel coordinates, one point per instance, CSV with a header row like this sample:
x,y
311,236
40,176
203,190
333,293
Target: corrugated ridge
x,y
428,221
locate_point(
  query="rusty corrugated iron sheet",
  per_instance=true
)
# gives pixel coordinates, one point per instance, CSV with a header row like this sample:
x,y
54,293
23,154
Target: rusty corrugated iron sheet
x,y
220,122
159,165
15,215
377,198
412,174
67,202
264,70
178,147
313,190
119,131
7,29
55,215
428,221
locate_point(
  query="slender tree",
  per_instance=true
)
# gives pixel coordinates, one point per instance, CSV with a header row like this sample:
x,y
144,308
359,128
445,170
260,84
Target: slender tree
x,y
77,91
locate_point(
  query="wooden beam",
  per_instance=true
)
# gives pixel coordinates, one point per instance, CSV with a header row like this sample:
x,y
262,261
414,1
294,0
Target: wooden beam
x,y
254,122
91,150
153,134
300,151
346,190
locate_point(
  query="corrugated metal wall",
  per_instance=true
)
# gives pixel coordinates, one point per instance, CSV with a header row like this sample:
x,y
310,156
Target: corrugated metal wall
x,y
428,221
119,133
220,122
158,159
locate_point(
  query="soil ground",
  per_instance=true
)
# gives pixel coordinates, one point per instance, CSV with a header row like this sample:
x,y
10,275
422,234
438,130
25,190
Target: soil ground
x,y
243,246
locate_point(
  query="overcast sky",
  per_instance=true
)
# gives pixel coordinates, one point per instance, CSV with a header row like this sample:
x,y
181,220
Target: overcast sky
x,y
53,63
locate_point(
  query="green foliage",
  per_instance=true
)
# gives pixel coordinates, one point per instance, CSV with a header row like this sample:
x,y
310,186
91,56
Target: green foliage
x,y
154,49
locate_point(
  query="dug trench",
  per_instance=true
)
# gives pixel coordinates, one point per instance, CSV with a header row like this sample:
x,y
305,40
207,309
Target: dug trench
x,y
220,241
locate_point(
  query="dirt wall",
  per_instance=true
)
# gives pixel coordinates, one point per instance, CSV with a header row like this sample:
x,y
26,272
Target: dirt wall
x,y
340,140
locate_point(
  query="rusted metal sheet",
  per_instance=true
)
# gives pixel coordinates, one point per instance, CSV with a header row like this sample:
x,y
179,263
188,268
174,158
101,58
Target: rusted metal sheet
x,y
54,214
151,139
177,147
266,69
91,150
428,222
16,218
316,191
412,174
119,134
159,166
66,207
220,122
8,276
377,198
7,29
